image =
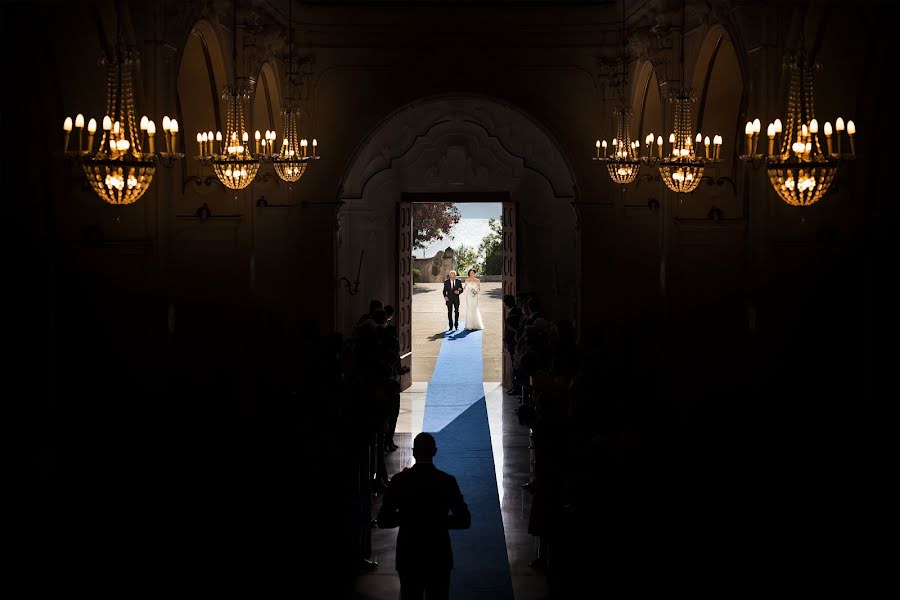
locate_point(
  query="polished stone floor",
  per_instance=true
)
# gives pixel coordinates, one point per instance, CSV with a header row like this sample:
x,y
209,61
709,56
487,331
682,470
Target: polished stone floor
x,y
511,459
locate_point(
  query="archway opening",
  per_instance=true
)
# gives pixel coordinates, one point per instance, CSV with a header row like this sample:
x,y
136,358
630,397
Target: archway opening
x,y
450,239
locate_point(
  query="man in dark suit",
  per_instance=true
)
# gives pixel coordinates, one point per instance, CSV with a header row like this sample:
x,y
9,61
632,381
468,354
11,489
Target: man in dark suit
x,y
425,503
452,289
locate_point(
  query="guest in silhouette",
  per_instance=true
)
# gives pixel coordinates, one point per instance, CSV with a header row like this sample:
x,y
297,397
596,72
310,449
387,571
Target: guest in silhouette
x,y
373,306
510,328
425,503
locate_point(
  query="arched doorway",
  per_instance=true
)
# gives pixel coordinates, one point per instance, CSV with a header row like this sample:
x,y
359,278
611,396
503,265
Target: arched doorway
x,y
457,146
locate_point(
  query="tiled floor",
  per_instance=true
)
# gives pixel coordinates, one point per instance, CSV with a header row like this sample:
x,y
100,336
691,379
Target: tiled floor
x,y
511,457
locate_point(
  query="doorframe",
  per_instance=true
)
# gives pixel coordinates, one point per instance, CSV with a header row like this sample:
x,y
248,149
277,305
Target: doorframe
x,y
495,197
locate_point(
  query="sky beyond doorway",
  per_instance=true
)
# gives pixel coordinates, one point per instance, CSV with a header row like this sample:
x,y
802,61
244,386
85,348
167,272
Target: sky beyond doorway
x,y
480,210
471,229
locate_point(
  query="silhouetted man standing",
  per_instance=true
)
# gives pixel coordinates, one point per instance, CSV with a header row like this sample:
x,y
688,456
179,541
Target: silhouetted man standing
x,y
425,503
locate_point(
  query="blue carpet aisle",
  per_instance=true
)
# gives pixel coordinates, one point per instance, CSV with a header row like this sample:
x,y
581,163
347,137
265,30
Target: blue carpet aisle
x,y
456,413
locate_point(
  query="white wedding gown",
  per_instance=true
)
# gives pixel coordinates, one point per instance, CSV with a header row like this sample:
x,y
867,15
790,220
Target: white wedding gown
x,y
473,315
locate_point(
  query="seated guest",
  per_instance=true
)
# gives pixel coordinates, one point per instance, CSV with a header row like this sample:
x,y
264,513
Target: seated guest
x,y
510,329
373,306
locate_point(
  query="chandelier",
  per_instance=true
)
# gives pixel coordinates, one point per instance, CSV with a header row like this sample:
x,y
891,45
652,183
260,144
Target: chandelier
x,y
230,156
799,168
119,169
292,159
682,168
624,162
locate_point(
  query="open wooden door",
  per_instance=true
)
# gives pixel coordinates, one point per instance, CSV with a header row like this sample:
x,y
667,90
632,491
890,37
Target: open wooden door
x,y
404,290
509,273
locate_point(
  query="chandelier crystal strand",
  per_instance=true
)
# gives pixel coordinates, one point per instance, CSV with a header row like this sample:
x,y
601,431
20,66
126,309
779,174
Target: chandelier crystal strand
x,y
802,170
290,165
230,155
292,158
682,170
234,165
624,163
118,170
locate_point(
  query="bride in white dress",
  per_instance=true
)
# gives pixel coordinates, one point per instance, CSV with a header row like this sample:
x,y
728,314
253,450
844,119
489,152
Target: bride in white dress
x,y
471,291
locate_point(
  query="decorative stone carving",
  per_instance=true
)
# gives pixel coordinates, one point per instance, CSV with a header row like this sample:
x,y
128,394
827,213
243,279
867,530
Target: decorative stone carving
x,y
484,134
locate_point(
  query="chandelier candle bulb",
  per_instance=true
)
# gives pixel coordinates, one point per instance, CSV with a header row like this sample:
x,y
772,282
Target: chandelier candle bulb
x,y
604,148
303,144
828,132
706,146
79,125
778,128
200,145
598,148
748,132
757,127
173,130
219,148
92,129
67,127
770,133
166,136
839,127
659,145
717,142
151,135
851,131
257,136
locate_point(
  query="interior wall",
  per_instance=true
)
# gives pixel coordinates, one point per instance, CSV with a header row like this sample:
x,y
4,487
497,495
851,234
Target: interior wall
x,y
212,295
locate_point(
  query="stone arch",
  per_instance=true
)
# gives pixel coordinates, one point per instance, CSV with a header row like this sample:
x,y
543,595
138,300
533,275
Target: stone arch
x,y
266,113
647,106
467,144
719,84
201,75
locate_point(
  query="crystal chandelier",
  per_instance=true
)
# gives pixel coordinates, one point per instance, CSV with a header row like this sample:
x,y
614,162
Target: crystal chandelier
x,y
292,159
682,168
799,169
119,169
230,156
624,162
